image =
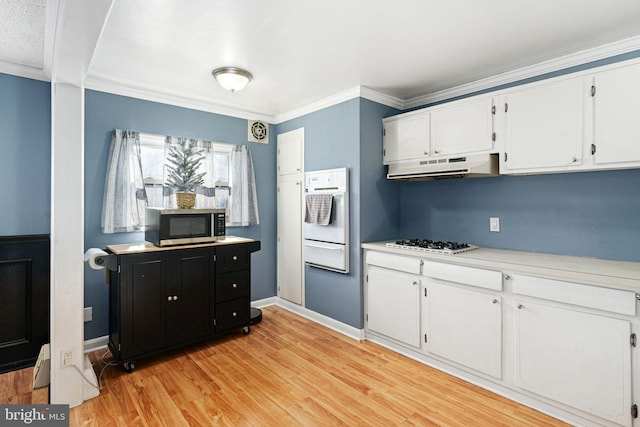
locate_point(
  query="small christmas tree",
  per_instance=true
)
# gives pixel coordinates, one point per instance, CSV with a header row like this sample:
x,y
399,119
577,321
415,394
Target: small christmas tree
x,y
184,160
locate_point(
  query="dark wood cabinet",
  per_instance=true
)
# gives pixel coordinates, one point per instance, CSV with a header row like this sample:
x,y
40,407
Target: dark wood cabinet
x,y
164,299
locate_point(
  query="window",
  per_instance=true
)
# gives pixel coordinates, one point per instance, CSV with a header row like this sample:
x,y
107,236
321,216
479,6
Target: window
x,y
136,175
152,153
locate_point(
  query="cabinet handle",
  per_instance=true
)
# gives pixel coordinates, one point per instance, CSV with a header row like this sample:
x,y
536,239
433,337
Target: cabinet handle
x,y
437,151
235,258
235,314
507,277
415,283
235,285
520,306
175,297
426,153
495,301
169,298
574,160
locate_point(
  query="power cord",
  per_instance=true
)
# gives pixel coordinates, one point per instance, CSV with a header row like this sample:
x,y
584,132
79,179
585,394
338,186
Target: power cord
x,y
106,365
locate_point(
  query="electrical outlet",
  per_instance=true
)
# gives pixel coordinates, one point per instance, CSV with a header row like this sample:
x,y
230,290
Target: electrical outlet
x,y
494,224
66,358
88,314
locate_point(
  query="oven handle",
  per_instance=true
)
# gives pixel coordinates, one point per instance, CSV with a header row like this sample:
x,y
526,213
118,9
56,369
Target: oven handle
x,y
324,247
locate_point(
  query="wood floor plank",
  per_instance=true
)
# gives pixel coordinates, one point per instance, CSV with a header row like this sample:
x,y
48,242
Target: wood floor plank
x,y
288,371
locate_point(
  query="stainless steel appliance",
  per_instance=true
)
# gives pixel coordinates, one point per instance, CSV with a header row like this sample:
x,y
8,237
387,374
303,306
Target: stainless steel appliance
x,y
432,246
166,227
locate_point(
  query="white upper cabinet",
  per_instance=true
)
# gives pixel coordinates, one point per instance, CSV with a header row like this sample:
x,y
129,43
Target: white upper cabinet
x,y
463,127
617,116
406,137
290,152
544,126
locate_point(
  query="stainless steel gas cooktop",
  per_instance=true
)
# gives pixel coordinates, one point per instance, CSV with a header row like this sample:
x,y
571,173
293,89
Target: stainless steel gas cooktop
x,y
432,246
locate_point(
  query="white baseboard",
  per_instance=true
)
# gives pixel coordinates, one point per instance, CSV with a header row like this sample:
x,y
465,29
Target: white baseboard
x,y
355,333
96,344
350,331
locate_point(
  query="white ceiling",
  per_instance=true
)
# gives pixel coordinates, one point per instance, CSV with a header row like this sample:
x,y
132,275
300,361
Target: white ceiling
x,y
301,52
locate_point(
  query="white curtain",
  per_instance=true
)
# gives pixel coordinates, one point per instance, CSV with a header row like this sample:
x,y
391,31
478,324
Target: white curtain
x,y
125,198
242,209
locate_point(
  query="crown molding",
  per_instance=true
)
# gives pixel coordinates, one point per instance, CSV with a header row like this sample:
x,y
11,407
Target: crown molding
x,y
354,92
553,65
23,71
148,93
318,105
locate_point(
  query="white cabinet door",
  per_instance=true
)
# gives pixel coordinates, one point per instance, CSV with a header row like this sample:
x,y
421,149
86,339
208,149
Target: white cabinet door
x,y
462,127
406,137
290,264
290,152
290,268
616,115
579,359
544,127
464,326
393,304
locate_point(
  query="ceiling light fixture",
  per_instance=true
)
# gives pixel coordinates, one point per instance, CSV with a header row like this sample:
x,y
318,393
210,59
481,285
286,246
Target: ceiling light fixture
x,y
232,78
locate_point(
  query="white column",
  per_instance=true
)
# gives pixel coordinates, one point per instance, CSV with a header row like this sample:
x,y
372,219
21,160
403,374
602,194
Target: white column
x,y
67,241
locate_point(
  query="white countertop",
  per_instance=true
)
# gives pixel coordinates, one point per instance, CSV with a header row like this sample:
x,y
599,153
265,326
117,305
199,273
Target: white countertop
x,y
594,271
132,248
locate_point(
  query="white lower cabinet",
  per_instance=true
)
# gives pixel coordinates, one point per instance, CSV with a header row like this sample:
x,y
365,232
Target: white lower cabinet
x,y
463,326
393,304
563,347
579,359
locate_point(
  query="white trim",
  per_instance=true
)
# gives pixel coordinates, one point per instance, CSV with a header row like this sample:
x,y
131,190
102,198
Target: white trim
x,y
553,65
266,302
96,344
381,98
354,92
148,93
22,71
329,101
343,328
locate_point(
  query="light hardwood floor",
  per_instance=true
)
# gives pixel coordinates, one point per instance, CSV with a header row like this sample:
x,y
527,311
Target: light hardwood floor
x,y
287,371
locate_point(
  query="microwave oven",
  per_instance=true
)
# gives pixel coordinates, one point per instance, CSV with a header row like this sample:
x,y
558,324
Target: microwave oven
x,y
166,227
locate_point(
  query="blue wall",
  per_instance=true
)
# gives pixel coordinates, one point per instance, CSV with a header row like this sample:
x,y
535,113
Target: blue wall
x,y
349,135
25,156
103,113
331,140
593,214
379,197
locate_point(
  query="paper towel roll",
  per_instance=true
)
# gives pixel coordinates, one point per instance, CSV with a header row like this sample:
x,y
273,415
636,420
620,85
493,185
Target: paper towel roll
x,y
91,255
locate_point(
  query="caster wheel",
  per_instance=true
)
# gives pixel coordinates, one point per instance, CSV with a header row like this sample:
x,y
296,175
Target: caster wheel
x,y
129,366
246,330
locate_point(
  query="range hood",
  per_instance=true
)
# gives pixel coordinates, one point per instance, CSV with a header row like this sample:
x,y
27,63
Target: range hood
x,y
446,167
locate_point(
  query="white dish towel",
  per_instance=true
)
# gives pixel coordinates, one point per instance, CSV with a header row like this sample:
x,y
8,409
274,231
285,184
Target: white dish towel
x,y
318,209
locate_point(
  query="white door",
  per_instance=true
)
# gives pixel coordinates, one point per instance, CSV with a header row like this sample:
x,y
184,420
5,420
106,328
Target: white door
x,y
544,127
617,125
406,137
462,127
579,359
463,325
393,304
290,214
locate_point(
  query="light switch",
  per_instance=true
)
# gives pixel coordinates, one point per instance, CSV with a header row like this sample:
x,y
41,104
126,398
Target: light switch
x,y
494,224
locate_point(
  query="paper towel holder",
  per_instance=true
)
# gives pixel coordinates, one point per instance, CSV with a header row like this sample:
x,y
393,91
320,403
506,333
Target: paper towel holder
x,y
108,261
